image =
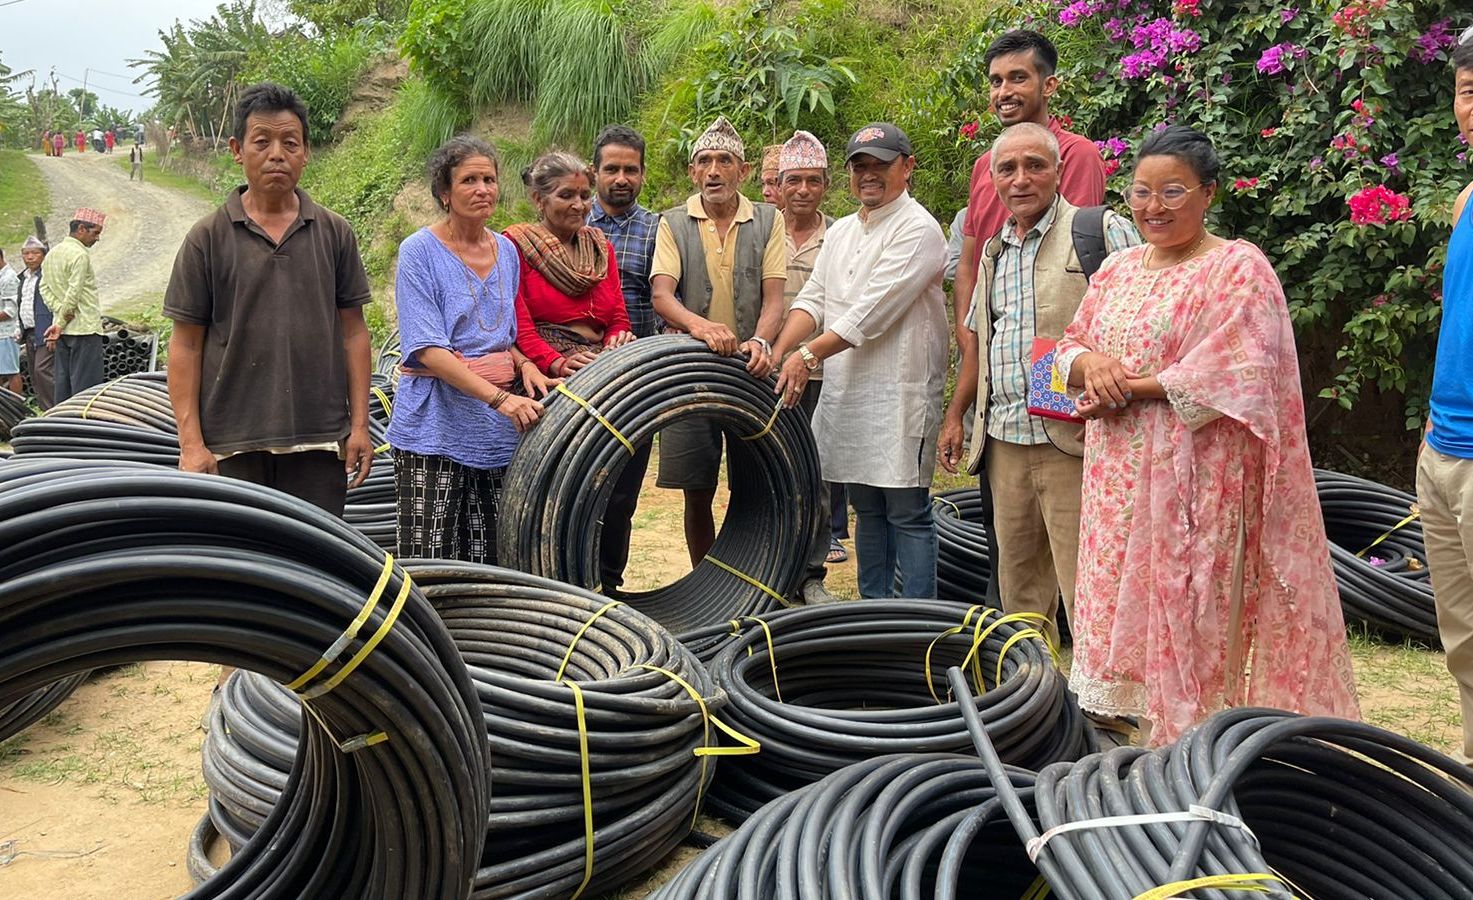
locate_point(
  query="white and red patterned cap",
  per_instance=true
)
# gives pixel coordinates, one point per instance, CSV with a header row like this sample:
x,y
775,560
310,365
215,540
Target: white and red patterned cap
x,y
803,151
89,215
720,136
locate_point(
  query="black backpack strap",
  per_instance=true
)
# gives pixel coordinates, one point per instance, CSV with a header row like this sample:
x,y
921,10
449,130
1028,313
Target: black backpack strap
x,y
1088,232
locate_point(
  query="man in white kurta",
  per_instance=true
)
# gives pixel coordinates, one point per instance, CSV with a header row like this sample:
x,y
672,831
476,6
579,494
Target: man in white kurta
x,y
876,294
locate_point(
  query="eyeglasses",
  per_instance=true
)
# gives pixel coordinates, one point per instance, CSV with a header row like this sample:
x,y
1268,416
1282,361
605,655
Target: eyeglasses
x,y
1172,196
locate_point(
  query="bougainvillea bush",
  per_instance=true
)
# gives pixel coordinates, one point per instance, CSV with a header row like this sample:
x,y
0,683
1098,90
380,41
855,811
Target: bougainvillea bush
x,y
1340,157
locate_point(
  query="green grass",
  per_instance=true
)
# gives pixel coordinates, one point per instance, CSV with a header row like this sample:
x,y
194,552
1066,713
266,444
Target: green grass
x,y
23,195
155,173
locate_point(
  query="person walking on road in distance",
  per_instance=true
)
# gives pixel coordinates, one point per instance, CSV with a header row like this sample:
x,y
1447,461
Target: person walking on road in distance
x,y
269,360
58,144
1020,72
135,162
109,139
1445,464
803,181
1029,286
75,333
35,318
81,142
9,326
875,293
718,275
618,178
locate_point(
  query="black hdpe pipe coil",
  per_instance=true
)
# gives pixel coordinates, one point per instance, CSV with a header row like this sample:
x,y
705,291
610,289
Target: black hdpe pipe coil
x,y
565,468
515,630
903,826
129,419
13,410
1295,806
106,564
1378,555
851,684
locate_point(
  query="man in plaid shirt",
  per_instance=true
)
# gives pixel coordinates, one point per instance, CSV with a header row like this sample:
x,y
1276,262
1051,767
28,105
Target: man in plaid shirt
x,y
618,165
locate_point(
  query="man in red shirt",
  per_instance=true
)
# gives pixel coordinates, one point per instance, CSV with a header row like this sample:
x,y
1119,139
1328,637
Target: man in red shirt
x,y
1020,69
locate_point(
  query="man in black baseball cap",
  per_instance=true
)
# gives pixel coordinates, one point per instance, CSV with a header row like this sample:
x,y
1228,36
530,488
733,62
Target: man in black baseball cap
x,y
881,140
875,297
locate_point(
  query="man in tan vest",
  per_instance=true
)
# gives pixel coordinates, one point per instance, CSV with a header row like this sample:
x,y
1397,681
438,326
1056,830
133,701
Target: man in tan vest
x,y
1029,284
718,273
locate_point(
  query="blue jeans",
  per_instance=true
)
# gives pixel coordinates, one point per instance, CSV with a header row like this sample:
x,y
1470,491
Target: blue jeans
x,y
894,535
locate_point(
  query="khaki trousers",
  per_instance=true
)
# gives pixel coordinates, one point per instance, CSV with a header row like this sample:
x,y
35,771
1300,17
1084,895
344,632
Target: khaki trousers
x,y
1035,501
1445,495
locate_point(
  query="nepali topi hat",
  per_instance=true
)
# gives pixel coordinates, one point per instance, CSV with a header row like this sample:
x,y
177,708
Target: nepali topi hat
x,y
803,151
90,216
720,136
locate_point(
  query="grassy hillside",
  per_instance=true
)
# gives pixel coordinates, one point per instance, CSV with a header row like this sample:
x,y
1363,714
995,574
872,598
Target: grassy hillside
x,y
23,195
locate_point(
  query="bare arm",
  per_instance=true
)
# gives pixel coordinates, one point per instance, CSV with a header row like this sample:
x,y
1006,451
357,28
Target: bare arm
x,y
953,426
716,336
186,357
358,448
523,411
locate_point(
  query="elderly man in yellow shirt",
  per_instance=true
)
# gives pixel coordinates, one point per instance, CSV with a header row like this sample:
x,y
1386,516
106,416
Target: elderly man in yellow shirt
x,y
75,334
718,274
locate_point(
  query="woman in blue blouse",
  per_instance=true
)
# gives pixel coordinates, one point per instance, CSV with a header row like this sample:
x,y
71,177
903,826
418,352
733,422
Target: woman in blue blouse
x,y
456,419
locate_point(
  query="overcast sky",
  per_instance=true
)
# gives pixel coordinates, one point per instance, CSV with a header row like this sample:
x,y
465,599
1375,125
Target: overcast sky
x,y
102,35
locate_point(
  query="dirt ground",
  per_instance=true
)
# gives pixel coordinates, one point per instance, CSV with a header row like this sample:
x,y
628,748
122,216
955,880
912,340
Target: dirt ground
x,y
146,223
100,797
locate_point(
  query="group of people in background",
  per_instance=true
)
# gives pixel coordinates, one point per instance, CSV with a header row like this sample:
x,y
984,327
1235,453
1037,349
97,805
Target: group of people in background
x,y
53,143
1131,385
50,315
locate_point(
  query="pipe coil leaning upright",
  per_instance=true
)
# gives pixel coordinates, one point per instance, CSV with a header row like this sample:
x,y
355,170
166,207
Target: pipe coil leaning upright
x,y
519,633
851,684
964,553
909,825
105,565
13,411
1386,587
1253,799
564,469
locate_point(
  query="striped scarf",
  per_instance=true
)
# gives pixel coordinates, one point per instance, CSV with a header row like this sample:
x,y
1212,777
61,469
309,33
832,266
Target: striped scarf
x,y
573,272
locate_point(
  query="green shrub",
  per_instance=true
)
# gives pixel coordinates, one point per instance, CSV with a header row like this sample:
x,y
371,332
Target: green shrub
x,y
321,70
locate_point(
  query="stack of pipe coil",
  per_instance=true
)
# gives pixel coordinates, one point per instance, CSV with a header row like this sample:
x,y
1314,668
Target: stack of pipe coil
x,y
13,410
1378,556
130,420
1252,799
386,363
19,715
905,825
528,642
864,679
106,564
964,554
565,468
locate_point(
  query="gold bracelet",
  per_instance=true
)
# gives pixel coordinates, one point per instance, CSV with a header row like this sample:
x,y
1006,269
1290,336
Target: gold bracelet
x,y
499,398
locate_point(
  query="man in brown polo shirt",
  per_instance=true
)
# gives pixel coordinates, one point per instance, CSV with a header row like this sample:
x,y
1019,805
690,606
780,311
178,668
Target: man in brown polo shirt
x,y
269,361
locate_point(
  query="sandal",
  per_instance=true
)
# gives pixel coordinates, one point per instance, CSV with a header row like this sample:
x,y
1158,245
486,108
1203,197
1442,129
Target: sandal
x,y
837,553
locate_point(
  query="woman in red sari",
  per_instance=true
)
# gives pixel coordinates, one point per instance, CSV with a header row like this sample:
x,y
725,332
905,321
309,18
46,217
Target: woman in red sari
x,y
1204,573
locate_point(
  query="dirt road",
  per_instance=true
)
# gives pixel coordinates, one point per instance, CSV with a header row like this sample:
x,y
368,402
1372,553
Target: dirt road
x,y
145,225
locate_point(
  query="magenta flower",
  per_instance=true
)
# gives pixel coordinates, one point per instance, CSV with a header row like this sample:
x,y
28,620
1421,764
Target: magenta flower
x,y
1432,42
1378,205
1273,60
1288,15
1391,162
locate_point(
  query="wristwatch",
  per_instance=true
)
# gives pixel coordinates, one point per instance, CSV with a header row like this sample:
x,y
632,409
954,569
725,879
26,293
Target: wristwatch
x,y
762,342
809,360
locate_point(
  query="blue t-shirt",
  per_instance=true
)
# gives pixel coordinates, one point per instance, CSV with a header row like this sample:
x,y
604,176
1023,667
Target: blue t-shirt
x,y
1452,375
442,303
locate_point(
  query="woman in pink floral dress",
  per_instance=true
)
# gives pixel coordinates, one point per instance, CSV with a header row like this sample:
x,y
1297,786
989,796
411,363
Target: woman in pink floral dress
x,y
1204,575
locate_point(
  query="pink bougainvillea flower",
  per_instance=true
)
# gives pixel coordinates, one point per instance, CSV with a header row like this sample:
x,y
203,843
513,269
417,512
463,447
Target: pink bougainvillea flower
x,y
1184,8
1377,205
1268,132
1245,184
1390,161
1111,167
1273,61
969,130
1288,15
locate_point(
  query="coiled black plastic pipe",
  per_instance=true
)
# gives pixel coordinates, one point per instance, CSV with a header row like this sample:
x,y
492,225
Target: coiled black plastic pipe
x,y
565,468
105,565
